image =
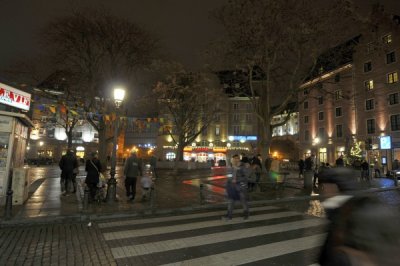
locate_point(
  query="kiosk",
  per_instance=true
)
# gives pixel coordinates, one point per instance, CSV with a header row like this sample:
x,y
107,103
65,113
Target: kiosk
x,y
13,142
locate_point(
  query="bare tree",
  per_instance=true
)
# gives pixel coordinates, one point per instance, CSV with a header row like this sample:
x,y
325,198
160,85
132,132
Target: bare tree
x,y
99,51
191,102
284,39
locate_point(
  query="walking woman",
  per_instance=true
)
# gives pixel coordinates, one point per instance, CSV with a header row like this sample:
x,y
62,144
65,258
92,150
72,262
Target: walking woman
x,y
93,169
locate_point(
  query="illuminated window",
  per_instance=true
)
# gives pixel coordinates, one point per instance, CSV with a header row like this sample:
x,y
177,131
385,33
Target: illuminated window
x,y
390,57
392,77
370,126
387,38
369,104
217,130
369,84
368,66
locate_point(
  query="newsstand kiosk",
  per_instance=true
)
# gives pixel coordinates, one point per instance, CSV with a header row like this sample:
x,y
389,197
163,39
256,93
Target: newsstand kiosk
x,y
14,183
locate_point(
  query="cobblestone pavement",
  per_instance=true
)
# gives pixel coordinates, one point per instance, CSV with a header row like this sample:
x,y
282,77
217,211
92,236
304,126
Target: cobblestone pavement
x,y
54,244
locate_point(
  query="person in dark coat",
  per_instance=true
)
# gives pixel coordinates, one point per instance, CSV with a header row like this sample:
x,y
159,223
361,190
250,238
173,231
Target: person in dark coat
x,y
93,169
132,170
67,165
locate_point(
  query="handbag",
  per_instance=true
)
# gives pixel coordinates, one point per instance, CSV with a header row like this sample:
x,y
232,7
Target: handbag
x,y
102,178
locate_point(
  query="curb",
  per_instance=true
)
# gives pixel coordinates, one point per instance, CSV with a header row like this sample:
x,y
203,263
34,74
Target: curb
x,y
86,217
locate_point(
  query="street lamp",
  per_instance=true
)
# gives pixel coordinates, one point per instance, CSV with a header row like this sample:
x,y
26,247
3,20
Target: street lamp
x,y
119,95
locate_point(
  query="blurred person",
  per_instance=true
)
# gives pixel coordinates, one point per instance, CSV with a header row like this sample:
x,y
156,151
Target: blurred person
x,y
257,161
363,231
364,171
93,169
252,178
67,164
395,165
236,186
146,182
340,161
377,168
132,170
301,168
153,164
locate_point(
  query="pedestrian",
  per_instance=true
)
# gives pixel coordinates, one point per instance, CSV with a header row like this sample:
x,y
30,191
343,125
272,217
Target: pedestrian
x,y
67,165
146,183
236,186
301,168
75,173
364,171
340,161
132,170
377,168
258,167
252,179
93,169
153,165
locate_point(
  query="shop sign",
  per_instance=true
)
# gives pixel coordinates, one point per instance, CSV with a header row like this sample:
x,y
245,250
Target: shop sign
x,y
242,138
14,97
219,150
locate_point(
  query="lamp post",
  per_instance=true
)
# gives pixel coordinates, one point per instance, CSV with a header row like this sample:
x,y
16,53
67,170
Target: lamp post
x,y
119,95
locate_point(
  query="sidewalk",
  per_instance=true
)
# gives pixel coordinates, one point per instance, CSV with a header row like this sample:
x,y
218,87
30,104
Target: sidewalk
x,y
190,190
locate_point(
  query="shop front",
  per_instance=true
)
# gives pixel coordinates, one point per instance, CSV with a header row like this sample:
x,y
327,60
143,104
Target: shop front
x,y
13,143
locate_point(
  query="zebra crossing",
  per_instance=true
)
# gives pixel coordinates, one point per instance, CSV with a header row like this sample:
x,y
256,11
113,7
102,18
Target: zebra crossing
x,y
272,236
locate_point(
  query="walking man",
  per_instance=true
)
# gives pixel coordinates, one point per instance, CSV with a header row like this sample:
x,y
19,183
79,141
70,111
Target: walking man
x,y
67,165
132,169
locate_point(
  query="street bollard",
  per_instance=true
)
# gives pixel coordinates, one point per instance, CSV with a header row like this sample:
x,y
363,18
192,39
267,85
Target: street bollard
x,y
395,180
86,198
9,197
308,179
201,189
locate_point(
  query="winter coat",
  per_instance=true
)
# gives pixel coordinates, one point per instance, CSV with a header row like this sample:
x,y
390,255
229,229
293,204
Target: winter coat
x,y
92,176
133,167
67,164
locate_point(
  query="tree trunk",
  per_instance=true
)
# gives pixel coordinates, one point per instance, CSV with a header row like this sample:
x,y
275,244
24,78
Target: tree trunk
x,y
69,139
103,143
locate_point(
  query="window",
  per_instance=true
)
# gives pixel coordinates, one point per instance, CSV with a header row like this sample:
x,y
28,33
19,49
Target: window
x,y
235,106
395,122
387,38
369,104
320,100
236,117
248,106
392,77
306,119
306,91
321,132
338,95
390,58
371,126
338,111
394,98
305,105
306,135
320,116
369,84
236,130
339,131
217,117
204,132
368,66
217,130
248,118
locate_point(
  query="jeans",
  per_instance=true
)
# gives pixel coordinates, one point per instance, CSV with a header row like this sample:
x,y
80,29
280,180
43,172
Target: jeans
x,y
130,186
243,200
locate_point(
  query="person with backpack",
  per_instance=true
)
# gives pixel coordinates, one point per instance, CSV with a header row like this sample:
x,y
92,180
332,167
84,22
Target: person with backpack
x,y
67,165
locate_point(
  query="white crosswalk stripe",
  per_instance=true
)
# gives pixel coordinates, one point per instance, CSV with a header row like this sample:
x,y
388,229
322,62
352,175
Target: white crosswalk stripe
x,y
182,240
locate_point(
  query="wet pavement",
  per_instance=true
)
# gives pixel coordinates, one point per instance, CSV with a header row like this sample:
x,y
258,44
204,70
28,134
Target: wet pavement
x,y
186,190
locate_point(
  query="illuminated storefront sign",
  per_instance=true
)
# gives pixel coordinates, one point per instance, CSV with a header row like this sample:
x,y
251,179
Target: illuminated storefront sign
x,y
14,97
242,138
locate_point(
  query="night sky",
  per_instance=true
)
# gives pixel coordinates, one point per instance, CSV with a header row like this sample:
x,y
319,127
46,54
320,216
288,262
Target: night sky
x,y
183,25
